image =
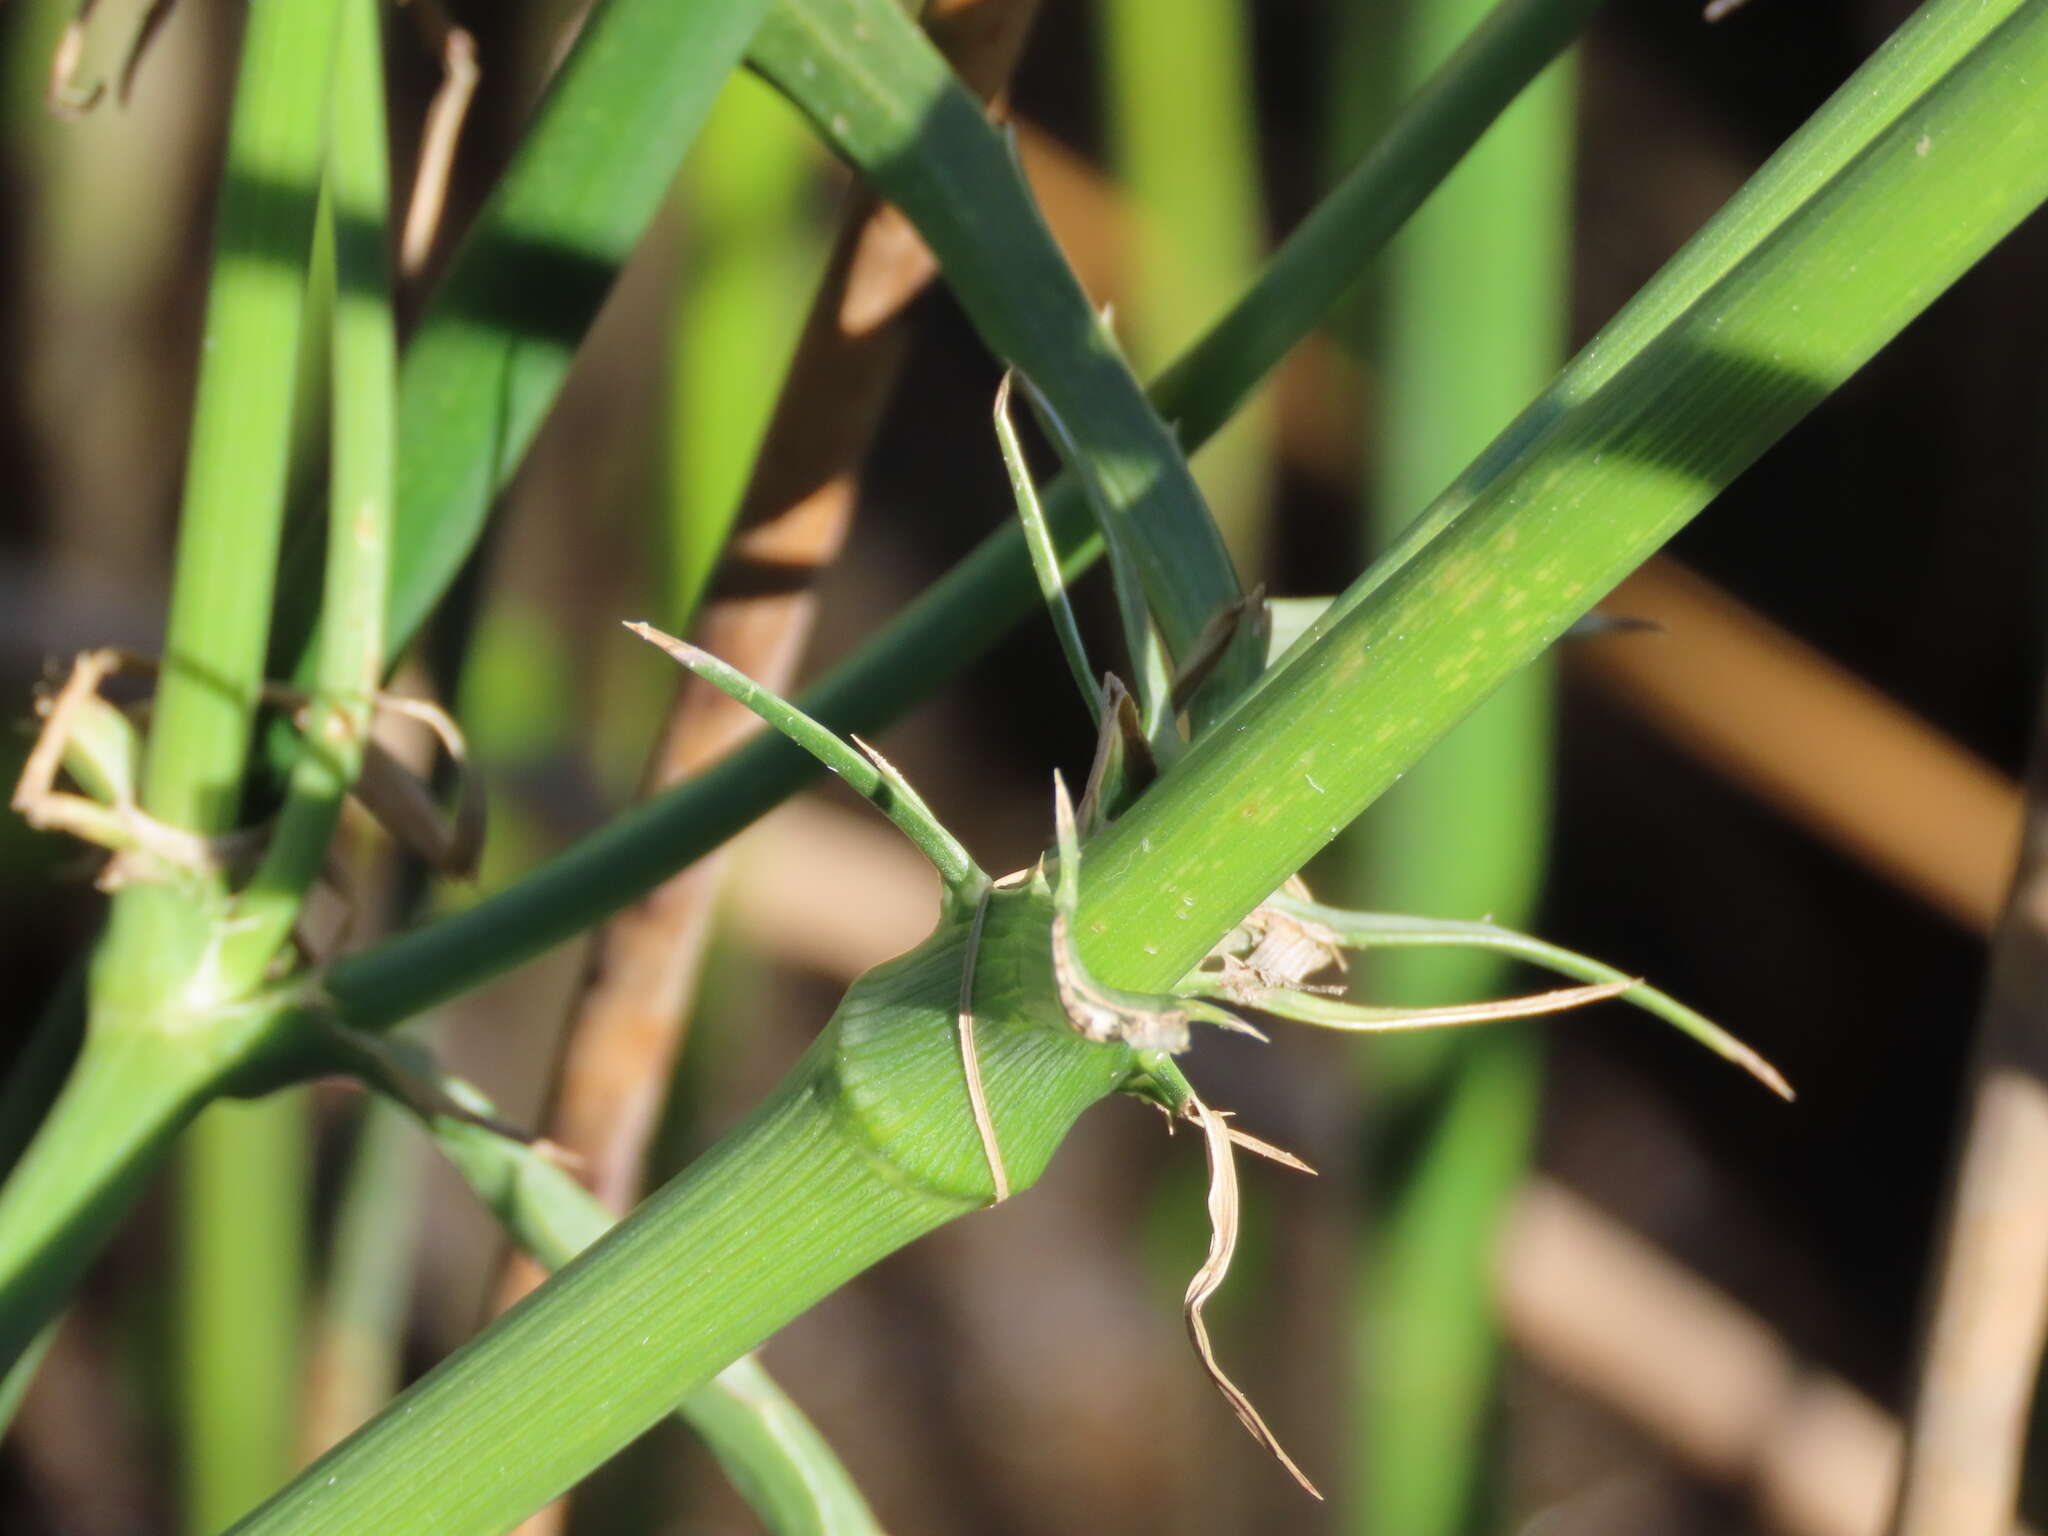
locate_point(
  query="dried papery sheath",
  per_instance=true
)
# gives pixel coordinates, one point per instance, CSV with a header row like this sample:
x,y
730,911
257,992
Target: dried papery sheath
x,y
970,1056
1097,1010
1223,1225
1335,1013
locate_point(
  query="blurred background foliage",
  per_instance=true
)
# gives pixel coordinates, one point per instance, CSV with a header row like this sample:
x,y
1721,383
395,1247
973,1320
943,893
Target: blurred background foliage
x,y
1025,1372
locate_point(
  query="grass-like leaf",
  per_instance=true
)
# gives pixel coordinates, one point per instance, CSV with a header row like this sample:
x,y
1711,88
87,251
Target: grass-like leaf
x,y
879,92
1396,931
491,351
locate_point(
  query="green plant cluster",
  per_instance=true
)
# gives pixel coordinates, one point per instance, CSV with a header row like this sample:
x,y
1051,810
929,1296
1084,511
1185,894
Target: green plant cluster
x,y
284,623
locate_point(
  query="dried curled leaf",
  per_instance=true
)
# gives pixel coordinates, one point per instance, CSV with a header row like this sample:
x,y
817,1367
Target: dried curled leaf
x,y
1223,1227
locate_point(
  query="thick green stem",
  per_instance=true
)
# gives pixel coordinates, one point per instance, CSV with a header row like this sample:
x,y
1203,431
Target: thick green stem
x,y
776,1459
1584,487
125,1101
865,1146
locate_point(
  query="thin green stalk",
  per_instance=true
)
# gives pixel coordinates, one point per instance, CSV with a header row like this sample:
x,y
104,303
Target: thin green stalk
x,y
357,1351
1476,292
363,356
1428,1343
241,432
1045,555
869,774
1394,931
965,612
1184,145
244,1219
232,513
776,1459
243,1223
751,264
495,343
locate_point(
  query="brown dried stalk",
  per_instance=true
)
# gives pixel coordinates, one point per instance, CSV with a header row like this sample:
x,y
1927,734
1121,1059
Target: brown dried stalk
x,y
1775,715
1966,1437
441,132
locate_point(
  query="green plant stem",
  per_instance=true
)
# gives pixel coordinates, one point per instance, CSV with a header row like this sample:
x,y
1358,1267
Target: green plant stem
x,y
244,1215
964,613
105,1135
776,1459
1475,292
868,774
1429,1343
363,357
495,343
242,1273
241,432
1584,486
232,514
358,1346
